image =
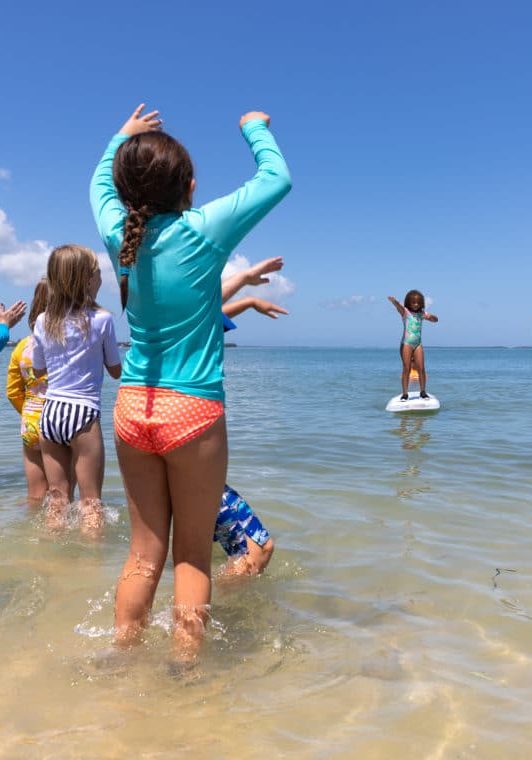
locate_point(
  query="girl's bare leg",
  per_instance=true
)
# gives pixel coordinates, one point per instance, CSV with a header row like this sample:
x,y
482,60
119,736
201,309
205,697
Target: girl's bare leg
x,y
419,361
196,478
406,355
89,461
35,476
150,513
57,461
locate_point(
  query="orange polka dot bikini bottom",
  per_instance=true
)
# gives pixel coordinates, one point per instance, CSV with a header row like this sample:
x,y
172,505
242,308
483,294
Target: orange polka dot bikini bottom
x,y
158,420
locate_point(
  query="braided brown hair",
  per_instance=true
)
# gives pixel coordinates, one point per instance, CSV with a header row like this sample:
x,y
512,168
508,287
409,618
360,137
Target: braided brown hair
x,y
152,173
134,228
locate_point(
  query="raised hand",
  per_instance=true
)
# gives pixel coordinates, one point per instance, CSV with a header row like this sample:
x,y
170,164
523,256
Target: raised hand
x,y
400,308
255,274
254,115
139,123
14,314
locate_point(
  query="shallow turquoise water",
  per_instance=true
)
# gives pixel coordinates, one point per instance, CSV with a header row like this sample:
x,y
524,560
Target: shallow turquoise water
x,y
394,619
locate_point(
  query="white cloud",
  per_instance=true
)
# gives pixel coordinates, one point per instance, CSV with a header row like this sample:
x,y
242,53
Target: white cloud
x,y
276,290
108,273
24,263
350,302
5,174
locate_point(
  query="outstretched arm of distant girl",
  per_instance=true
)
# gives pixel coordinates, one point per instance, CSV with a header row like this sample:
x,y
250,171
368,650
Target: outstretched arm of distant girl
x,y
399,306
430,317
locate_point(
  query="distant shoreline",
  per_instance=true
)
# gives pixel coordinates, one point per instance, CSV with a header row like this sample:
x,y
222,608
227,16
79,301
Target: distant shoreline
x,y
126,344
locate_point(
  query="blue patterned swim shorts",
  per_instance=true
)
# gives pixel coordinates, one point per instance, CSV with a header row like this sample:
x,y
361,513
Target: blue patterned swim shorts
x,y
235,521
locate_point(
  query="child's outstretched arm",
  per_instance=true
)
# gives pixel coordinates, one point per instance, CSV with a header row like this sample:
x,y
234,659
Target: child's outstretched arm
x,y
399,306
430,317
267,308
108,209
227,220
252,276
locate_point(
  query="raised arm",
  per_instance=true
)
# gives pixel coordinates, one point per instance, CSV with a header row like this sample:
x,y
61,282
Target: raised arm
x,y
252,276
227,220
9,318
399,306
108,209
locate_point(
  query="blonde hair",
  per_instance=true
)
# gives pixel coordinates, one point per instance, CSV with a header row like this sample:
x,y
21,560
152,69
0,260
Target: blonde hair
x,y
69,273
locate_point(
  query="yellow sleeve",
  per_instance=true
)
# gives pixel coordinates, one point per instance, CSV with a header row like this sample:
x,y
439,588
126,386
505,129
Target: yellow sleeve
x,y
15,388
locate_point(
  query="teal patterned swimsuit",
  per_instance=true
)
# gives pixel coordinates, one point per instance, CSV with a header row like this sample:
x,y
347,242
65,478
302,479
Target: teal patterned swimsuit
x,y
412,332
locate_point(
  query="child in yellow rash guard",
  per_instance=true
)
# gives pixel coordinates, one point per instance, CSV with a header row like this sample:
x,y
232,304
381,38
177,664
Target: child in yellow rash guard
x,y
26,392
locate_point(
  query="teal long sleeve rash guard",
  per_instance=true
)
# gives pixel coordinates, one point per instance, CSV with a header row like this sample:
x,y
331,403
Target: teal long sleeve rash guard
x,y
174,299
4,335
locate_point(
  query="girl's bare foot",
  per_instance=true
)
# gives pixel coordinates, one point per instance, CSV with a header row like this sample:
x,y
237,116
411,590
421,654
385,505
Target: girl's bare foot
x,y
91,517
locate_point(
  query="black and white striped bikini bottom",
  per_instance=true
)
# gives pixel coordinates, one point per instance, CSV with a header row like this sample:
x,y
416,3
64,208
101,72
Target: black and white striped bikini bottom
x,y
61,420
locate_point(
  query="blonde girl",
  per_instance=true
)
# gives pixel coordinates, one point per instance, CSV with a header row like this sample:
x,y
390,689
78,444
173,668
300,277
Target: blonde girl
x,y
74,340
27,392
169,417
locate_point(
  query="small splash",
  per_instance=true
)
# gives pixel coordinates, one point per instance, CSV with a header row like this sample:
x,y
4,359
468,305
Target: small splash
x,y
217,630
72,518
86,627
111,515
92,631
164,620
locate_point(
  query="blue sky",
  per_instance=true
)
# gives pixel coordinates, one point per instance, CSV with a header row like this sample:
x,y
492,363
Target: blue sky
x,y
406,125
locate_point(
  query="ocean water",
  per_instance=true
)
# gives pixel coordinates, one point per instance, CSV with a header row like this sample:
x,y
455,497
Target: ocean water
x,y
395,619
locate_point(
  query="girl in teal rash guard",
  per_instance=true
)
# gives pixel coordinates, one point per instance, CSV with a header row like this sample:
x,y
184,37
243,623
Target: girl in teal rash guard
x,y
168,258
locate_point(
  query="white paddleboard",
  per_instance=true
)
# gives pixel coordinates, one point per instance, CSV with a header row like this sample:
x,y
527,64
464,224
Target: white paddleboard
x,y
414,403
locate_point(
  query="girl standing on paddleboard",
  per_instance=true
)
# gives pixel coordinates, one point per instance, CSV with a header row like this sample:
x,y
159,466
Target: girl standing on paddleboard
x,y
413,313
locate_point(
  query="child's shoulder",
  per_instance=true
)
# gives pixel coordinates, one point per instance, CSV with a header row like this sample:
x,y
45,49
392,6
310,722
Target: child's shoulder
x,y
20,346
99,314
100,318
39,323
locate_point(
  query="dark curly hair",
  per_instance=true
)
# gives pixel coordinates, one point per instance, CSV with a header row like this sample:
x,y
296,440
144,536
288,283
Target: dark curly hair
x,y
410,295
